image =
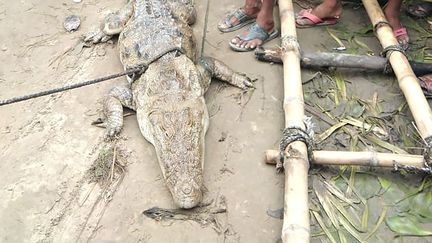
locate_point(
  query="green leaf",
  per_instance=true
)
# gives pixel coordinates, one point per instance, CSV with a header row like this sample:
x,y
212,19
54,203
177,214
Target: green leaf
x,y
342,237
345,213
365,217
380,220
385,144
352,231
367,185
325,202
385,184
421,204
327,133
406,225
324,227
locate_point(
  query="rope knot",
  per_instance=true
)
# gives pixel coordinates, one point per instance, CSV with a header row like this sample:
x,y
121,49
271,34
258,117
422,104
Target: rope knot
x,y
427,154
294,133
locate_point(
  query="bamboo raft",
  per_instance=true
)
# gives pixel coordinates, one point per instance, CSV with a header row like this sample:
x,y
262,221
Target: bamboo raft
x,y
295,155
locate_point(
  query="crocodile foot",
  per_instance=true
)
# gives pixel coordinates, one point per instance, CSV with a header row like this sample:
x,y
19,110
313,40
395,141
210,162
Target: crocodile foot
x,y
111,131
96,35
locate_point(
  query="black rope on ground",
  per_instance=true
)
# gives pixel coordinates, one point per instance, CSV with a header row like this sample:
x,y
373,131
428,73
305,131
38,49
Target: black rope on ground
x,y
71,86
292,134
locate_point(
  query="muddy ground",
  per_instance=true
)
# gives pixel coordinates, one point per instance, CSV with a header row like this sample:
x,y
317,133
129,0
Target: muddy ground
x,y
48,144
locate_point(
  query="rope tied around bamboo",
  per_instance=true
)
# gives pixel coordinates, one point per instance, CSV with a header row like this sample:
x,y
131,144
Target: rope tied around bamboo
x,y
427,155
387,51
290,43
292,134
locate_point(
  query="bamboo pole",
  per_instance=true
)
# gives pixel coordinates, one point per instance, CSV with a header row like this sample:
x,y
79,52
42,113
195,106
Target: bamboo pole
x,y
356,158
296,209
407,80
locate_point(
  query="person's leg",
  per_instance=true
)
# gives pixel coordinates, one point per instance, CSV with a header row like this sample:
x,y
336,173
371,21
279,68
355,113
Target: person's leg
x,y
245,13
264,21
392,13
327,9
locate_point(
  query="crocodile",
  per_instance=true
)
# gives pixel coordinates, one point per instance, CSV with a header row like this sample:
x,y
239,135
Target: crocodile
x,y
168,94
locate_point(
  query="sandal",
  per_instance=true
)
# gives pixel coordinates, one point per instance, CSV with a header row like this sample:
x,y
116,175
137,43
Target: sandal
x,y
226,25
420,10
313,19
255,32
399,33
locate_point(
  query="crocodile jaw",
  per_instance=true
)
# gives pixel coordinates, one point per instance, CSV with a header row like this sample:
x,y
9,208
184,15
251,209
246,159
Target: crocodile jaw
x,y
178,132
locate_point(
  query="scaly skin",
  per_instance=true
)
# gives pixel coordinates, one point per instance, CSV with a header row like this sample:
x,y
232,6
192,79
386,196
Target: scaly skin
x,y
169,96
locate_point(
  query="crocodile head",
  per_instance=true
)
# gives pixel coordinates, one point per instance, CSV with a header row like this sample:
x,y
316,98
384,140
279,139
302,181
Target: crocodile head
x,y
178,132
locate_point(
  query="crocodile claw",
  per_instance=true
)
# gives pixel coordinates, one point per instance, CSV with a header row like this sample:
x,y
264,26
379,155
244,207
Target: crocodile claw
x,y
248,83
242,81
112,132
96,36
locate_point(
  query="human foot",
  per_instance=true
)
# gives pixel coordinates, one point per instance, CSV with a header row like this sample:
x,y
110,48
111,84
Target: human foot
x,y
255,36
323,14
239,18
399,31
306,19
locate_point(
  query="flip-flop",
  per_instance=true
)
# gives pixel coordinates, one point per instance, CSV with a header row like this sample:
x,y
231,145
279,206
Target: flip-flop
x,y
307,14
242,18
401,32
426,83
255,32
419,10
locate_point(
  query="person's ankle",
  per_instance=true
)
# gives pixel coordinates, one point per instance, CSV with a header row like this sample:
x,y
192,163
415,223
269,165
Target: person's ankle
x,y
251,11
267,25
328,10
332,6
394,21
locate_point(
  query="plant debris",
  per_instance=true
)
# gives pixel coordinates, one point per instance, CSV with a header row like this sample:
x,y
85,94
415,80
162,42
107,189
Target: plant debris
x,y
109,166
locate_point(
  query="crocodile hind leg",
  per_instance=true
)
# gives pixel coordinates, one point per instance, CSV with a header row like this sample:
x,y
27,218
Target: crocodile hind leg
x,y
112,25
113,109
210,67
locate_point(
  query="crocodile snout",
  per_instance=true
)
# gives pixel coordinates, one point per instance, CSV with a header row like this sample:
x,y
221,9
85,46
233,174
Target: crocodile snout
x,y
189,197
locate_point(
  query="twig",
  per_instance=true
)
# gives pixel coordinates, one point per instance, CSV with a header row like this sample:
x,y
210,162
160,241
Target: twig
x,y
113,163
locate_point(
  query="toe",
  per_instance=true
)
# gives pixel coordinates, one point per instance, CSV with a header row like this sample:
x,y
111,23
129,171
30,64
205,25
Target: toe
x,y
235,40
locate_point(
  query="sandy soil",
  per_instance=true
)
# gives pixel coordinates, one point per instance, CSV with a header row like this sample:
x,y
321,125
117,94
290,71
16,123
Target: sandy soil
x,y
47,144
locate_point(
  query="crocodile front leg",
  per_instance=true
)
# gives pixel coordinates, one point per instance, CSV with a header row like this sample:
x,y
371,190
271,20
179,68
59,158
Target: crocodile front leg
x,y
209,66
112,25
113,109
183,10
